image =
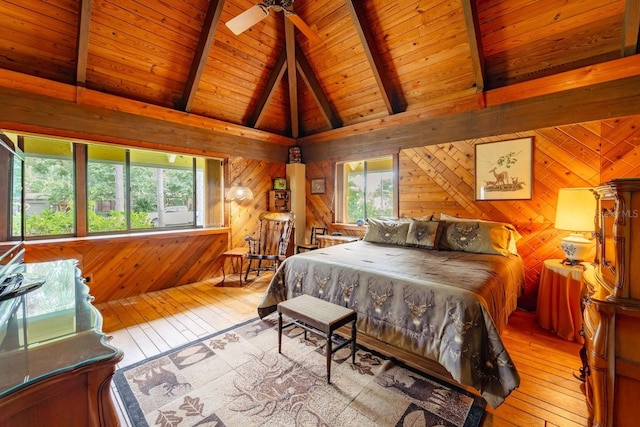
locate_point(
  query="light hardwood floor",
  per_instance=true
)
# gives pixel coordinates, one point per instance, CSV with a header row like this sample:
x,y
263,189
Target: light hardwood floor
x,y
152,323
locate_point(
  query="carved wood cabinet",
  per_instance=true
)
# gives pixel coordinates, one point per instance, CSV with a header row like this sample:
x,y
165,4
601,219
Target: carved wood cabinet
x,y
612,308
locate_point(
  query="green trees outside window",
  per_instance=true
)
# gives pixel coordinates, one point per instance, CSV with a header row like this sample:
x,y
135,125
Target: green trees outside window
x,y
366,189
127,189
49,184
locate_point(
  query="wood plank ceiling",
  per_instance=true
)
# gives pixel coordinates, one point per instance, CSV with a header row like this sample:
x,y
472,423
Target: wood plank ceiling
x,y
375,58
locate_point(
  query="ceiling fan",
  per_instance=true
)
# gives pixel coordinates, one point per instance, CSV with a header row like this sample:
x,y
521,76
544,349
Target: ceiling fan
x,y
258,12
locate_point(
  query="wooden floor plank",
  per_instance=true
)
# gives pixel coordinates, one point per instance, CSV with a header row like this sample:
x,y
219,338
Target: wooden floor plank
x,y
147,325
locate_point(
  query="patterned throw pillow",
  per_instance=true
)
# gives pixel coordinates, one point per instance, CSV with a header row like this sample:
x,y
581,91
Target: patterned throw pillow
x,y
475,236
514,236
392,232
423,234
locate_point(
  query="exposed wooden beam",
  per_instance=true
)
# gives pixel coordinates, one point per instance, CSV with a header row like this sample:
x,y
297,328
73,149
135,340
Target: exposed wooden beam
x,y
269,89
31,113
82,41
631,28
617,98
309,77
209,26
579,78
91,98
393,99
290,40
475,44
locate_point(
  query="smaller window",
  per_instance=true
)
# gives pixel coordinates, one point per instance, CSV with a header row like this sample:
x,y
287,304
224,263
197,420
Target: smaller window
x,y
49,183
366,189
106,183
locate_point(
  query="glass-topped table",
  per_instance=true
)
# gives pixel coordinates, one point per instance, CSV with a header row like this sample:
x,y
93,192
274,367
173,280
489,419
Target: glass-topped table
x,y
52,336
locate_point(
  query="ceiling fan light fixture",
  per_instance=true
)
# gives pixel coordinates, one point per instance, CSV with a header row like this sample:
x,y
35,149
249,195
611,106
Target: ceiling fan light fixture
x,y
248,18
258,12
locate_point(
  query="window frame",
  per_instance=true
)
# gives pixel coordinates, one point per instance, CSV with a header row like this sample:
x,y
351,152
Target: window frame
x,y
340,202
204,215
74,182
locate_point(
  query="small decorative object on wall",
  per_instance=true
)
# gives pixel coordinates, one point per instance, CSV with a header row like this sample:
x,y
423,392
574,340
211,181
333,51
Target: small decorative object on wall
x,y
317,186
279,184
294,155
504,170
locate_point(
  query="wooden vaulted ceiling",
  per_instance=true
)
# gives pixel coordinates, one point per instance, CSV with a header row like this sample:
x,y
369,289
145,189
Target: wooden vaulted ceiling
x,y
376,59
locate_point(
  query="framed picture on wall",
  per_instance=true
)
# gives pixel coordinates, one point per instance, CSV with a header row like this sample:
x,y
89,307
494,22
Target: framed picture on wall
x,y
504,170
317,186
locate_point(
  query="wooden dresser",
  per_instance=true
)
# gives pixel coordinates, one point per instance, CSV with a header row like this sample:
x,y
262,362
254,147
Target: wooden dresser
x,y
55,363
612,308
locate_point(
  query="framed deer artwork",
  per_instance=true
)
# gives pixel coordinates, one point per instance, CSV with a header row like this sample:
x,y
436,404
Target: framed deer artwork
x,y
504,170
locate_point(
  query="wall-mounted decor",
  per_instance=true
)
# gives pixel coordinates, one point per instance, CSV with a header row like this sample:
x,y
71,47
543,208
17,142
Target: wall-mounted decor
x,y
295,156
504,170
279,183
317,186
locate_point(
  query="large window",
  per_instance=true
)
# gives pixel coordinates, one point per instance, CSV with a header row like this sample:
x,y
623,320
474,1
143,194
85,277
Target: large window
x,y
161,190
126,189
366,189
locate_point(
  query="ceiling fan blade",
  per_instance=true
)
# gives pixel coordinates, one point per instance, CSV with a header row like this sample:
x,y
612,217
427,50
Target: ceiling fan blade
x,y
247,19
303,27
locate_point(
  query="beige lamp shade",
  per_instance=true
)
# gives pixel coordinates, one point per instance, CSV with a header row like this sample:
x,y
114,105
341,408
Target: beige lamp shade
x,y
575,212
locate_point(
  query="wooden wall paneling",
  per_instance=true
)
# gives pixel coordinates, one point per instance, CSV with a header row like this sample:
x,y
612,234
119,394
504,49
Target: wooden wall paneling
x,y
123,266
319,206
258,176
419,194
620,148
214,214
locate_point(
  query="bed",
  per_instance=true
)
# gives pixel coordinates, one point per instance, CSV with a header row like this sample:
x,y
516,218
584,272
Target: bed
x,y
439,290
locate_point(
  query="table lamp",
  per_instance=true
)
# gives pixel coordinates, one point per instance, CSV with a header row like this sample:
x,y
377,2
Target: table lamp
x,y
575,212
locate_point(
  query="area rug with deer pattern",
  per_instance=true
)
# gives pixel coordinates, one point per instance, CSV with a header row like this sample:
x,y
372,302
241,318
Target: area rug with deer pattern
x,y
236,377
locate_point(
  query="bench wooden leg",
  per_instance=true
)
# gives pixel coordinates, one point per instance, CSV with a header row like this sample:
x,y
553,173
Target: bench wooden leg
x,y
329,353
353,342
279,332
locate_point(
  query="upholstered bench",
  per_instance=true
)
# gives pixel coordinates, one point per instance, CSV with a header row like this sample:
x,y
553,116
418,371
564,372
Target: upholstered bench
x,y
322,318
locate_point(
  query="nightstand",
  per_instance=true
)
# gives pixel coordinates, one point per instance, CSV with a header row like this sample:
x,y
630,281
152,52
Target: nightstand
x,y
559,299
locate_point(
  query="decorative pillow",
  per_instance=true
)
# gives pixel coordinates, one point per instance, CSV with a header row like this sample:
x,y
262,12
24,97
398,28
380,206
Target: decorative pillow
x,y
392,232
514,236
404,218
475,236
423,234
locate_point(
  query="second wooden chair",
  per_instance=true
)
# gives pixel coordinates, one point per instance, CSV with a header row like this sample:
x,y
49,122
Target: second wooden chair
x,y
313,243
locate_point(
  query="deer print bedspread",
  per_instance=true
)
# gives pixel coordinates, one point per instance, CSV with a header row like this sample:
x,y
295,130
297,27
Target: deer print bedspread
x,y
447,306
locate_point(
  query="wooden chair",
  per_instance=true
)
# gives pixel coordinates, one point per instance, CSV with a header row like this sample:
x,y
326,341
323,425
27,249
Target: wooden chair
x,y
271,245
313,242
